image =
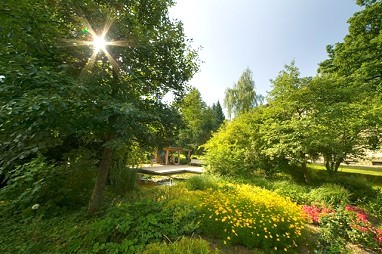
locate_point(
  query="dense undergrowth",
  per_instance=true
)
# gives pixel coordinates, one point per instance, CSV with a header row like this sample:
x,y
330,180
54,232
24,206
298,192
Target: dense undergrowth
x,y
268,215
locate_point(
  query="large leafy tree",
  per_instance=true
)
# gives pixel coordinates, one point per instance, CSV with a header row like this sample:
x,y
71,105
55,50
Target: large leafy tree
x,y
288,127
51,92
354,71
358,56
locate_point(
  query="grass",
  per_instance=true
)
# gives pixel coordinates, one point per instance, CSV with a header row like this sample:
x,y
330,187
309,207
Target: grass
x,y
372,174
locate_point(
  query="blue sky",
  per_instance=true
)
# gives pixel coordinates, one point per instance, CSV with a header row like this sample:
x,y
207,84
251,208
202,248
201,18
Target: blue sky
x,y
262,35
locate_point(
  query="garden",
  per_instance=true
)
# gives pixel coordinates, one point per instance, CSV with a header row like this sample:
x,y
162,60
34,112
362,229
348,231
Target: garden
x,y
202,214
83,88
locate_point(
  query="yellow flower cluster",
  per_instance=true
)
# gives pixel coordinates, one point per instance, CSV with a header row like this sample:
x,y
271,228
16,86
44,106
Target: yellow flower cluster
x,y
251,216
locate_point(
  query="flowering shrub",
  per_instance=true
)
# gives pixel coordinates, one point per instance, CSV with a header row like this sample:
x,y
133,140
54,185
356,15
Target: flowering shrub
x,y
361,230
349,223
251,216
313,213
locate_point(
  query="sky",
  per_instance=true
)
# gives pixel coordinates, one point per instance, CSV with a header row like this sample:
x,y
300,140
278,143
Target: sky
x,y
262,35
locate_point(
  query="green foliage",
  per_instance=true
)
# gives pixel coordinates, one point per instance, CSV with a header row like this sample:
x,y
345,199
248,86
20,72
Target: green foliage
x,y
123,180
184,245
52,188
374,205
199,120
201,183
359,188
251,216
297,193
132,225
348,224
331,195
242,97
53,90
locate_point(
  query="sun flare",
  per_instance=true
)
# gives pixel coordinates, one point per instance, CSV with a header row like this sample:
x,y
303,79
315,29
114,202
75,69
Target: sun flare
x,y
99,43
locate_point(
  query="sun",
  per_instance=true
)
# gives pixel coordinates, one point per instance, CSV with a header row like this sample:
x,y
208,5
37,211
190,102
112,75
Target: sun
x,y
99,43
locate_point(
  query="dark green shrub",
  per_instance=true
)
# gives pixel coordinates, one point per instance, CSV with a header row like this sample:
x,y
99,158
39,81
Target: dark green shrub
x,y
182,246
129,226
49,187
329,195
360,189
123,180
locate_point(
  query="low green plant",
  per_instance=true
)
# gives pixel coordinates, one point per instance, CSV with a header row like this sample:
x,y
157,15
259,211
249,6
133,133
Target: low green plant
x,y
182,246
297,193
128,226
329,195
359,188
374,206
50,189
343,225
201,182
251,216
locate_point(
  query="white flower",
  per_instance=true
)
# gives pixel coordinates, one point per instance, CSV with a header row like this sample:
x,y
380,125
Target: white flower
x,y
35,206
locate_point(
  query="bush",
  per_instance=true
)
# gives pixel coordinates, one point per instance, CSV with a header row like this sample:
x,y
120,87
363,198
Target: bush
x,y
251,216
295,192
374,206
47,187
349,224
201,183
182,246
359,188
329,195
131,225
123,180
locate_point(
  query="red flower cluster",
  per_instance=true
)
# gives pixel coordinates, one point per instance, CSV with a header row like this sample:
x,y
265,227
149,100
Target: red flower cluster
x,y
314,213
379,236
361,223
361,215
357,222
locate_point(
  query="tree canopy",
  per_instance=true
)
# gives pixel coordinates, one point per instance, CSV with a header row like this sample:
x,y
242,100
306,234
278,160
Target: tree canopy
x,y
242,96
53,90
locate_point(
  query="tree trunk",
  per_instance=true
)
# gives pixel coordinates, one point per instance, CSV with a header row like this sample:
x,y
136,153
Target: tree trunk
x,y
304,168
102,174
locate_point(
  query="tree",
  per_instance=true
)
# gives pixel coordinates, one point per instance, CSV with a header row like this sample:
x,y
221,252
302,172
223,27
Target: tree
x,y
344,127
218,115
242,97
289,126
50,92
357,57
199,121
354,71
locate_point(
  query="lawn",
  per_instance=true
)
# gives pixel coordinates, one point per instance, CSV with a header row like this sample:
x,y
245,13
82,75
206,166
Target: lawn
x,y
372,174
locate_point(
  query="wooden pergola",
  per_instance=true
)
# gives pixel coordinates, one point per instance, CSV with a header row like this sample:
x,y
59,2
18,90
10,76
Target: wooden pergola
x,y
175,149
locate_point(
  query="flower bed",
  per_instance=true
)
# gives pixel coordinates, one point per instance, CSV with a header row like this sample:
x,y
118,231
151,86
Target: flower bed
x,y
251,216
349,223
